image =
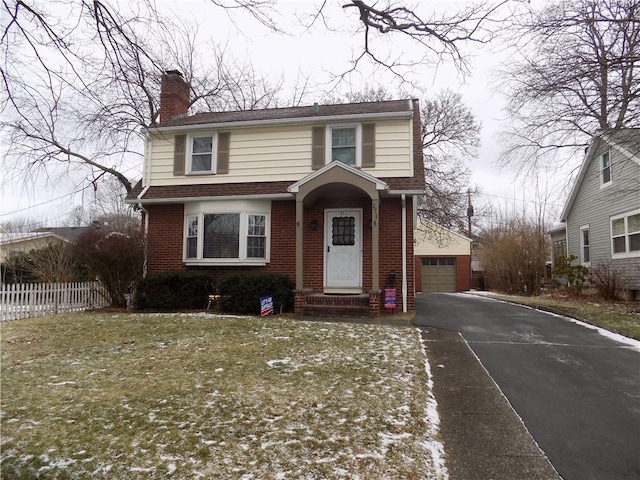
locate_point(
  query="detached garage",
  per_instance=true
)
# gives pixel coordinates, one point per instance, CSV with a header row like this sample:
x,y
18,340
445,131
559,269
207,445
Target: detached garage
x,y
442,259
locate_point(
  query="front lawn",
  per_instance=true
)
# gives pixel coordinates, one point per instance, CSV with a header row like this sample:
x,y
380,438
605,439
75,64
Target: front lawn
x,y
198,396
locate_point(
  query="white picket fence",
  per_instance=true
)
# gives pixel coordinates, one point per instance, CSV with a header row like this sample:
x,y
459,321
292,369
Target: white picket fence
x,y
40,299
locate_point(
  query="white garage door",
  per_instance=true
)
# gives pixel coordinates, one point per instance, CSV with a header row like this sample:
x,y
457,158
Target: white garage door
x,y
438,274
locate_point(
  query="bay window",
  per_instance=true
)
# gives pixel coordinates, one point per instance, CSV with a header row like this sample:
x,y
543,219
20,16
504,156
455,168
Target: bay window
x,y
225,237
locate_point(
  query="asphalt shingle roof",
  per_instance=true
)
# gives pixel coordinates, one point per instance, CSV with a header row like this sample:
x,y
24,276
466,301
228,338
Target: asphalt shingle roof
x,y
290,113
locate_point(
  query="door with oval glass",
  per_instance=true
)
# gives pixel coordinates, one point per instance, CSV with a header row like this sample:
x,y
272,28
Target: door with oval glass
x,y
343,251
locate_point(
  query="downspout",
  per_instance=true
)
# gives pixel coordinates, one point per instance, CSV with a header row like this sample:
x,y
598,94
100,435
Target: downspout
x,y
145,184
404,253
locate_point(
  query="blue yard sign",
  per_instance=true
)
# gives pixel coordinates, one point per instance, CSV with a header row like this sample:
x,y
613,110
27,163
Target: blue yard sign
x,y
266,306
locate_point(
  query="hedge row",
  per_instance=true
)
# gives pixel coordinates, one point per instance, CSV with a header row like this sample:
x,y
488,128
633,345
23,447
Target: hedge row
x,y
239,293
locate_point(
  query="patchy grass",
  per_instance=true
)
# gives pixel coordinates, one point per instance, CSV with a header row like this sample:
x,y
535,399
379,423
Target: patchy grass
x,y
618,317
198,396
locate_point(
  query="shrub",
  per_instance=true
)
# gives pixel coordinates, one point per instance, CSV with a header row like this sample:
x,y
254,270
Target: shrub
x,y
241,293
116,258
575,274
169,291
610,281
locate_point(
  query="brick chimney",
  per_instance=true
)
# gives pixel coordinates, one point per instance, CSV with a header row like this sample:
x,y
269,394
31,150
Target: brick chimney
x,y
174,95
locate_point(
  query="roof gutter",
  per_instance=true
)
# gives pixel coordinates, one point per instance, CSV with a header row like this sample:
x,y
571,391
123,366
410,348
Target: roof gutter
x,y
272,196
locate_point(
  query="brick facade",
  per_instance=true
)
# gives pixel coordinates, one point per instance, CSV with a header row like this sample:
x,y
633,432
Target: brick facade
x,y
174,96
166,242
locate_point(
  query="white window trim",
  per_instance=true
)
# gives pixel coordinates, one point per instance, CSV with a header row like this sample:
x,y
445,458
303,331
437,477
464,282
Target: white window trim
x,y
582,229
242,247
627,253
329,141
214,152
601,166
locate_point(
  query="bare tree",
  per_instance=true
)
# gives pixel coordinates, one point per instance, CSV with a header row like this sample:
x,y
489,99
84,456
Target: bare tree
x,y
450,138
440,35
514,254
82,77
573,72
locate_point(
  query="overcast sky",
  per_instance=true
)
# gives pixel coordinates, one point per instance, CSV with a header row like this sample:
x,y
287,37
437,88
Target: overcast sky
x,y
320,53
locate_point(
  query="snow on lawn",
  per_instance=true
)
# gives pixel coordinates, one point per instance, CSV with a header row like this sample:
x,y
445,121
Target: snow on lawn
x,y
198,396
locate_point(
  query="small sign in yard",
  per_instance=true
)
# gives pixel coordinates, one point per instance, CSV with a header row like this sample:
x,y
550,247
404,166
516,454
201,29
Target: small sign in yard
x,y
389,298
266,306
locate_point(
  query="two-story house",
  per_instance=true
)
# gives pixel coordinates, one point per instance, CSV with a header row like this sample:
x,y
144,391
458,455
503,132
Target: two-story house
x,y
324,194
602,213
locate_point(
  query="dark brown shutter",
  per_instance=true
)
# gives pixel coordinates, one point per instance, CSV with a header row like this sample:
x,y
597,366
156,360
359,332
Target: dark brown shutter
x,y
223,152
368,145
179,147
317,149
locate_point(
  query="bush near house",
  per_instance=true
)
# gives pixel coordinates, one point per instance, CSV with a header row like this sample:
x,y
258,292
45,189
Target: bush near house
x,y
241,293
171,291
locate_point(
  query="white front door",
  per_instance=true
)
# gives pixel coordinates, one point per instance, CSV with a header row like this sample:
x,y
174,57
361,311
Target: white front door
x,y
343,251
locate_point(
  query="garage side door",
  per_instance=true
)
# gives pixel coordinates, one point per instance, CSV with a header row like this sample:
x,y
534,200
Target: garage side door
x,y
438,274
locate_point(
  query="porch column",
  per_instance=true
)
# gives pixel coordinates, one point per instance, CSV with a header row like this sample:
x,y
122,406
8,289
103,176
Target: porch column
x,y
299,242
375,243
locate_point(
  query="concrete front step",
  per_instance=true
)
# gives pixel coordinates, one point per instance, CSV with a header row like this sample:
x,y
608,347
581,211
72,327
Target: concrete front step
x,y
337,305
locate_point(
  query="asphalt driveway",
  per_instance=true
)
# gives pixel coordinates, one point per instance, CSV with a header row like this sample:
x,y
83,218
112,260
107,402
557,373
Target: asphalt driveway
x,y
577,391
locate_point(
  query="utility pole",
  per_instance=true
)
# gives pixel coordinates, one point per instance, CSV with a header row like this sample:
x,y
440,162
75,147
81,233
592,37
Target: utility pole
x,y
469,212
469,215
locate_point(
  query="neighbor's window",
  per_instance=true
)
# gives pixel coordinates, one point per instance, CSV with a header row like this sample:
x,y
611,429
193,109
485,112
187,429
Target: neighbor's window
x,y
625,234
226,237
201,154
343,144
605,167
585,245
559,251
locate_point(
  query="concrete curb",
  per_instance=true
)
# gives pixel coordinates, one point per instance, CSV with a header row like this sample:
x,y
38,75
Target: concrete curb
x,y
484,437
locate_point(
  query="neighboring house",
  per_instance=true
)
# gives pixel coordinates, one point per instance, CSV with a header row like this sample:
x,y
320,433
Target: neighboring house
x,y
324,194
602,213
442,259
12,244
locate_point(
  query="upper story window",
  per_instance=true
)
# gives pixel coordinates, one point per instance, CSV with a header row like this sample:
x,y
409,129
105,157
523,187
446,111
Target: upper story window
x,y
344,144
625,235
585,245
202,153
605,169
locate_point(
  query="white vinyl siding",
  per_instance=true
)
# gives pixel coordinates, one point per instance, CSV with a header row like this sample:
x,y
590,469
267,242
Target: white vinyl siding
x,y
270,154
